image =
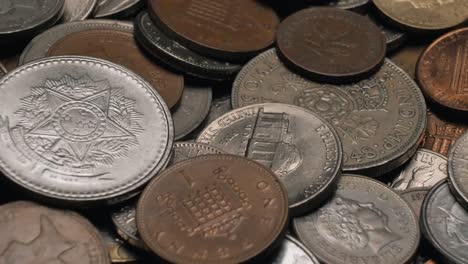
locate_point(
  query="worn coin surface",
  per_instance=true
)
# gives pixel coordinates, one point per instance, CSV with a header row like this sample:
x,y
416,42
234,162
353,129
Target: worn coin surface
x,y
365,221
442,70
331,45
458,169
116,8
444,224
71,125
222,29
407,57
76,10
379,119
425,169
395,38
424,15
293,252
300,147
213,209
415,197
31,233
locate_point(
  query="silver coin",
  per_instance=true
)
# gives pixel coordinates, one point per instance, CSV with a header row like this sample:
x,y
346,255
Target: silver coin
x,y
70,127
458,169
365,222
349,4
394,37
293,252
380,119
39,47
76,10
192,110
415,197
301,148
425,169
219,106
116,8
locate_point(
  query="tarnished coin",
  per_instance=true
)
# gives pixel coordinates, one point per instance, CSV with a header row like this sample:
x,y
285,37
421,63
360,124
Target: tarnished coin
x,y
119,251
219,107
331,45
10,62
425,169
31,233
300,147
442,70
117,8
213,209
354,5
293,252
407,57
458,169
76,10
70,127
191,110
223,29
424,15
364,222
394,37
3,71
379,120
444,223
415,197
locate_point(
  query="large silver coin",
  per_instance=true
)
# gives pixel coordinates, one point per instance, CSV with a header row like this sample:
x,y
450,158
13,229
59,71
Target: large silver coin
x,y
116,8
365,222
76,10
299,146
425,169
458,169
380,120
80,129
293,252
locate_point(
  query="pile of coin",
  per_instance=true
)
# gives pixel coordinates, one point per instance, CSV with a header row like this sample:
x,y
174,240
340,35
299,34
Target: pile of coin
x,y
221,131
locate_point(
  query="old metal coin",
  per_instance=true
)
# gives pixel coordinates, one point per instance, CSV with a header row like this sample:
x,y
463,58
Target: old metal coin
x,y
379,120
458,169
293,252
188,150
442,70
10,62
300,147
192,110
364,222
71,125
354,5
177,56
444,223
76,10
394,37
408,56
3,70
213,209
117,8
424,15
222,29
119,251
415,197
331,45
425,169
31,233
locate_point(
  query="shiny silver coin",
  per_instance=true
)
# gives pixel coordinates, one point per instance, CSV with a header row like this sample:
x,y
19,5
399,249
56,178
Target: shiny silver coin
x,y
76,10
293,252
301,148
380,120
415,198
425,169
365,222
117,8
192,110
458,169
70,127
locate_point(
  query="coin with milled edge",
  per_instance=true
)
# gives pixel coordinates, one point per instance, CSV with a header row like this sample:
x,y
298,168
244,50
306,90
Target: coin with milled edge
x,y
117,8
300,147
71,125
293,252
331,45
415,197
31,233
380,120
365,221
214,209
425,169
458,169
444,224
76,10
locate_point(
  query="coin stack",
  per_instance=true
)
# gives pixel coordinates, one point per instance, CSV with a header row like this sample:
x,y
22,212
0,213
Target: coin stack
x,y
221,131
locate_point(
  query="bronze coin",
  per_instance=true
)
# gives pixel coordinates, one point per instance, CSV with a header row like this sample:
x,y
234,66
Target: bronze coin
x,y
30,233
213,209
223,29
442,70
331,45
120,47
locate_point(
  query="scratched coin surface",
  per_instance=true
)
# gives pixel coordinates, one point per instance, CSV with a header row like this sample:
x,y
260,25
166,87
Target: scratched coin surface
x,y
458,169
300,147
76,10
415,197
71,125
116,8
31,233
425,169
365,221
213,209
444,223
293,252
379,119
442,70
331,45
219,28
424,15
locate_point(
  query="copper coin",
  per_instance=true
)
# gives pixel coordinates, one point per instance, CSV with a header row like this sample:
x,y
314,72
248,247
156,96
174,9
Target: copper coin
x,y
119,46
331,45
213,209
31,233
224,29
443,70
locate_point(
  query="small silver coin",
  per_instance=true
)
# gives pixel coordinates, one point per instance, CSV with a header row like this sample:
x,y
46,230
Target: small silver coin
x,y
415,197
116,8
301,148
458,169
364,222
70,127
76,10
293,252
425,169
